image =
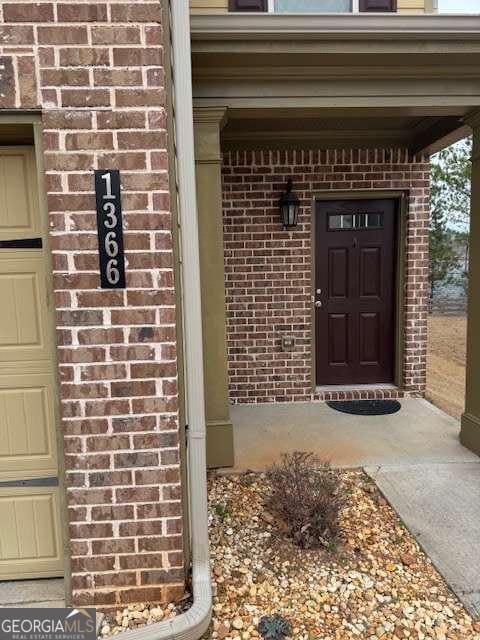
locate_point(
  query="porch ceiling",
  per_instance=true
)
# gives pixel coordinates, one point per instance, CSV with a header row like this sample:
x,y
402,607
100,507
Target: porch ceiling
x,y
294,130
335,80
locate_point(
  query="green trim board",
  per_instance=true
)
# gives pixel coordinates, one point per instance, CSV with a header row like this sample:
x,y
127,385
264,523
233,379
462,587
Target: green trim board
x,y
220,449
62,493
470,433
208,158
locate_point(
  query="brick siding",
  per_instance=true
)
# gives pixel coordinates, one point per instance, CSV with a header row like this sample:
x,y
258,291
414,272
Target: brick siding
x,y
96,71
268,269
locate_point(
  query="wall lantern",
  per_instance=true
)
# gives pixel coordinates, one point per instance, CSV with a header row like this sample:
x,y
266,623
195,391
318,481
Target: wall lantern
x,y
289,206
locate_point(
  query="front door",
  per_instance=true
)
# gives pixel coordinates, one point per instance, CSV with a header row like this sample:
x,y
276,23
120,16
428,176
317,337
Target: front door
x,y
354,291
30,529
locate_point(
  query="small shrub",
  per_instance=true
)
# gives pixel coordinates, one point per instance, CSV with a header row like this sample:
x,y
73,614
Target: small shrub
x,y
248,479
274,627
221,511
308,496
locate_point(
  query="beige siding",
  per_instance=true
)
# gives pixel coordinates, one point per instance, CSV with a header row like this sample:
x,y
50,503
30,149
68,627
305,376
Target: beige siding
x,y
411,6
210,6
221,6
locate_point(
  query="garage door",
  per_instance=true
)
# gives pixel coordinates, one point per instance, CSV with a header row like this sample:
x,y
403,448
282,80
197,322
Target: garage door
x,y
30,535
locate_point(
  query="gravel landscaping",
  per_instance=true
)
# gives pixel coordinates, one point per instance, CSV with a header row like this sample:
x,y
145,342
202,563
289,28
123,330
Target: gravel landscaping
x,y
136,616
373,583
376,583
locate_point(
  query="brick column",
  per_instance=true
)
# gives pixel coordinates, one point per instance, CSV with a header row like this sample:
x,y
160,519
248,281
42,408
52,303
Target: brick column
x,y
96,70
470,433
208,124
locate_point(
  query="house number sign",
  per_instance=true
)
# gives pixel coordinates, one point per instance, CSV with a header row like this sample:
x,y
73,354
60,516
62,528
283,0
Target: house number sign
x,y
110,231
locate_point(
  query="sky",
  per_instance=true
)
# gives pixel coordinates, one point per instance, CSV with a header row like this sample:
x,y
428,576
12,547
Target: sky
x,y
459,6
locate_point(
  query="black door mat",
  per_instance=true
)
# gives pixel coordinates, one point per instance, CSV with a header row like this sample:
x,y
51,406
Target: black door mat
x,y
366,407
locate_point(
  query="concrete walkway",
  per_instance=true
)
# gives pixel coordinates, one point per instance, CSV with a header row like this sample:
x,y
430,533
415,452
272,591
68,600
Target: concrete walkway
x,y
415,458
440,505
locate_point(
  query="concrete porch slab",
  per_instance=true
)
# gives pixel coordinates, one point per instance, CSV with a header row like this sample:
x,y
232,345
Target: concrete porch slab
x,y
418,434
415,458
440,504
46,593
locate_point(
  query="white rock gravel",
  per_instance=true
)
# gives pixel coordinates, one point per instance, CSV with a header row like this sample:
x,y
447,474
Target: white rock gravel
x,y
377,584
135,616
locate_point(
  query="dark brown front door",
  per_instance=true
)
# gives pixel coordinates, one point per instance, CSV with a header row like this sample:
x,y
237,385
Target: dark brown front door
x,y
354,291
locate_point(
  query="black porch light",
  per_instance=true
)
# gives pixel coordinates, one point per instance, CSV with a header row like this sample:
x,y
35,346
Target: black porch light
x,y
289,206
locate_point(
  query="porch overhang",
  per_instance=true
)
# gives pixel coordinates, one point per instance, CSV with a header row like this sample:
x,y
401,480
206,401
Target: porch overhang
x,y
334,26
270,82
337,80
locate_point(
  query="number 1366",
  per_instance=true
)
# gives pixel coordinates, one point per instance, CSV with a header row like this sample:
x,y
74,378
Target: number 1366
x,y
110,222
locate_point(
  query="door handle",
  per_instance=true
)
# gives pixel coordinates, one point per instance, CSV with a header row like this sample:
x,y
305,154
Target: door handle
x,y
318,304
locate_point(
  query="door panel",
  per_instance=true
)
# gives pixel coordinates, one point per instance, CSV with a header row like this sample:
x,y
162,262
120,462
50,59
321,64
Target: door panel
x,y
30,546
369,342
24,322
370,272
338,343
338,273
18,200
354,284
27,444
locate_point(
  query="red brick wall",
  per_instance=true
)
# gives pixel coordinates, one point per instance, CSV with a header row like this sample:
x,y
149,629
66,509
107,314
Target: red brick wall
x,y
96,70
268,269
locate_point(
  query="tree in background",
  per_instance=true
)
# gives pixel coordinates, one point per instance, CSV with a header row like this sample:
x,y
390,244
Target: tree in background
x,y
450,215
444,260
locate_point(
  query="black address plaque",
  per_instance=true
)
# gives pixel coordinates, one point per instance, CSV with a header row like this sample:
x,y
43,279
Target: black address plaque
x,y
110,230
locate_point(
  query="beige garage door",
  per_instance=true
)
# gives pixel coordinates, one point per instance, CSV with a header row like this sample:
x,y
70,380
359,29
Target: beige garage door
x,y
30,533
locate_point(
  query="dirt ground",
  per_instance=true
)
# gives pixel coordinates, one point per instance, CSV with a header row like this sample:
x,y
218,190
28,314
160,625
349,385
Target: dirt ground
x,y
446,363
